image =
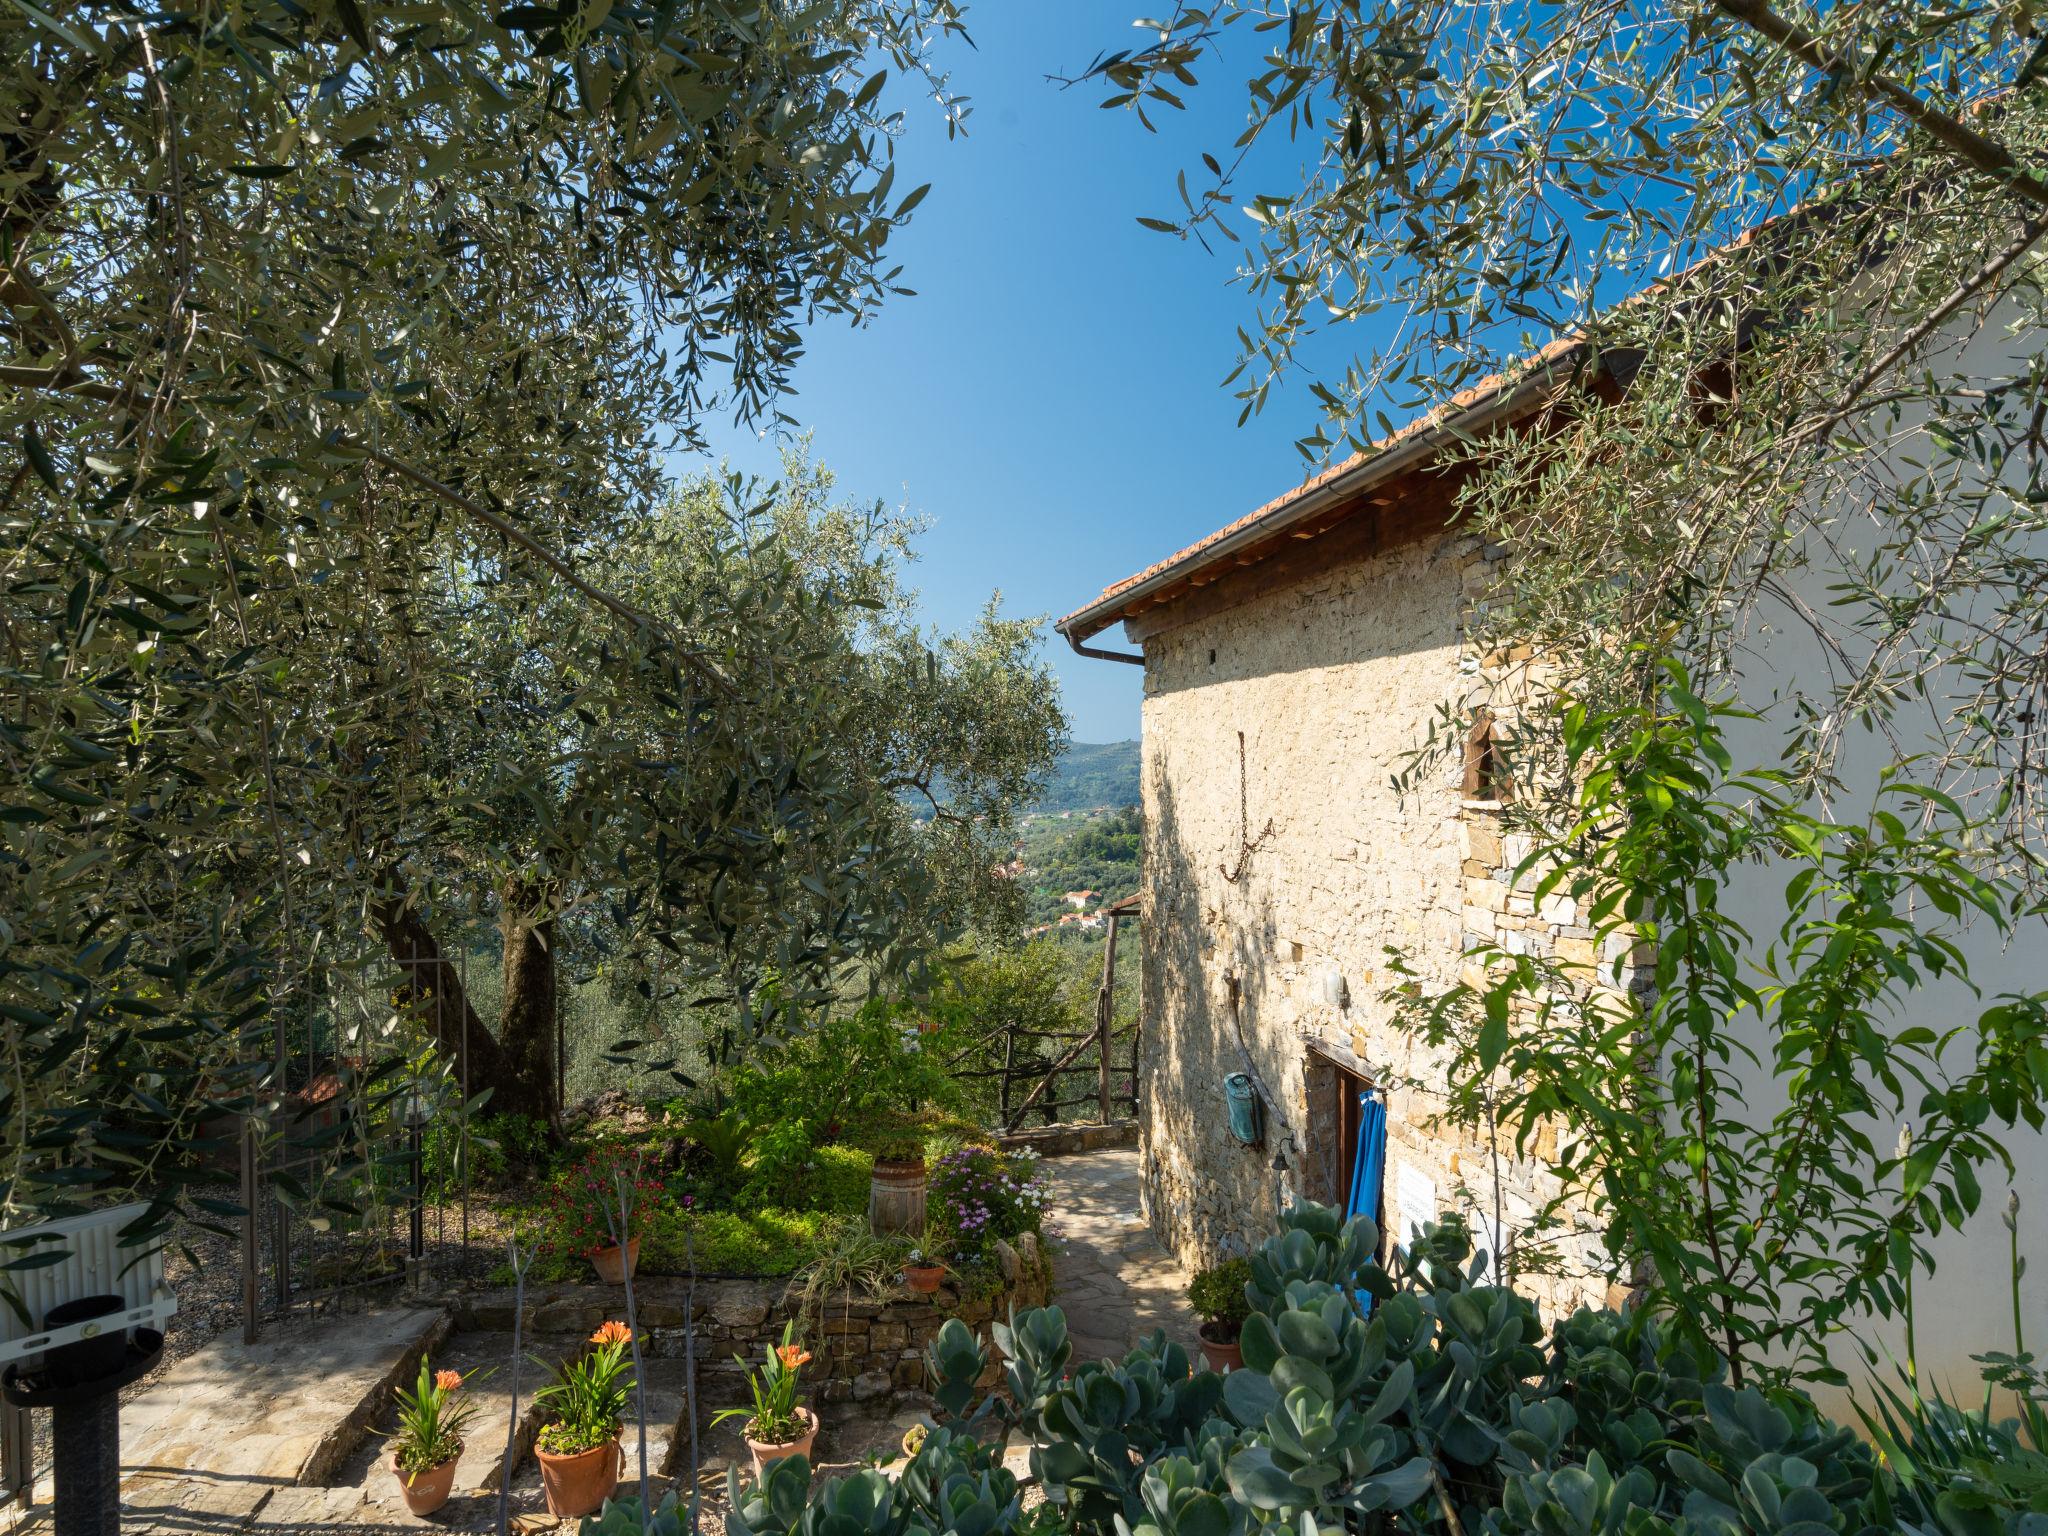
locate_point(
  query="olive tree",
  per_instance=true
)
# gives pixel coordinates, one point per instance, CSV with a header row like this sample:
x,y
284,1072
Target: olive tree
x,y
316,318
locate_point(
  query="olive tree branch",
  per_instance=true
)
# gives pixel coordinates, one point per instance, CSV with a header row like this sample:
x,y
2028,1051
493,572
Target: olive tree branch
x,y
73,381
1974,148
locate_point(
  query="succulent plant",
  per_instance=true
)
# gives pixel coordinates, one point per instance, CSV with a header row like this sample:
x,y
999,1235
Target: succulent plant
x,y
1442,1408
621,1517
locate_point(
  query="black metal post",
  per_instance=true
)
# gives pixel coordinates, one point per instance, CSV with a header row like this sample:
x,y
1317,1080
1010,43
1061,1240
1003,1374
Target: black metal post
x,y
85,1458
419,1194
85,1436
250,1256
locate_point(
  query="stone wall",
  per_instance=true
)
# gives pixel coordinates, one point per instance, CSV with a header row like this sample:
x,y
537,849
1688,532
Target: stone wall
x,y
1067,1140
861,1347
1282,862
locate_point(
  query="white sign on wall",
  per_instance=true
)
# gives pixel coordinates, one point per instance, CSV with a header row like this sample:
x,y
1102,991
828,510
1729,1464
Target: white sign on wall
x,y
1414,1203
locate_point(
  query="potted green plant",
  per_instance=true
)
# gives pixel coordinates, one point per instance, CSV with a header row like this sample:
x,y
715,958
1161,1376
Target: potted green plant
x,y
1218,1296
429,1440
777,1425
923,1268
579,1449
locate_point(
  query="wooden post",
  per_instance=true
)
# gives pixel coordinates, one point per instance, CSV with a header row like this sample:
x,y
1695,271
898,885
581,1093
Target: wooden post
x,y
250,1303
1009,1065
1105,1006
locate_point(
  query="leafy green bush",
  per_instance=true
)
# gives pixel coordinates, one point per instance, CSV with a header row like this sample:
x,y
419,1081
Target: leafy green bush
x,y
1218,1295
768,1241
503,1149
878,1060
777,1163
1446,1408
838,1180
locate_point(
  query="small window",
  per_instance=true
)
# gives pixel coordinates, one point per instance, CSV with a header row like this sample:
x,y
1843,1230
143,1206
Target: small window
x,y
1486,772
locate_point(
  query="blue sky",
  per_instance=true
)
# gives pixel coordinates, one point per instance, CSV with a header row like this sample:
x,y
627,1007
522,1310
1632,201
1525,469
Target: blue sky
x,y
1051,399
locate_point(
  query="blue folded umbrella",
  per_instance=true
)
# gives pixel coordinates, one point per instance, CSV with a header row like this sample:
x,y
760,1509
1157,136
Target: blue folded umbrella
x,y
1369,1168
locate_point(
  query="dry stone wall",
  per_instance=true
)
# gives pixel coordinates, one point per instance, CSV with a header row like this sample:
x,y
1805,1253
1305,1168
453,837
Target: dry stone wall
x,y
1282,863
861,1347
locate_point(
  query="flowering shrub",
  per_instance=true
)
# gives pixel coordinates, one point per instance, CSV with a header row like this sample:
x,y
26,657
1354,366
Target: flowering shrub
x,y
581,1194
977,1195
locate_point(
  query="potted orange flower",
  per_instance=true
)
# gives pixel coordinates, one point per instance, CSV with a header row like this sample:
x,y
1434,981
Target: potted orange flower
x,y
429,1442
579,1449
777,1425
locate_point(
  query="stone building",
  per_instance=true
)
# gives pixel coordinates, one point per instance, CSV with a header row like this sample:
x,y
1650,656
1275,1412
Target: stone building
x,y
1294,661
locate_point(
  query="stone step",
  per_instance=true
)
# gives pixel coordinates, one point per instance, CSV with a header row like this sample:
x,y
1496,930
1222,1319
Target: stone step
x,y
289,1410
483,1461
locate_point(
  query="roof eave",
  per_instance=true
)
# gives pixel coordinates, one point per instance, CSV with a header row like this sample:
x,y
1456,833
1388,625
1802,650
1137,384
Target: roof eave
x,y
1505,402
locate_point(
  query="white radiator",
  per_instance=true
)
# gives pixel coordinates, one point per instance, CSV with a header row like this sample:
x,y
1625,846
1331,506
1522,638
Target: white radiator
x,y
94,1264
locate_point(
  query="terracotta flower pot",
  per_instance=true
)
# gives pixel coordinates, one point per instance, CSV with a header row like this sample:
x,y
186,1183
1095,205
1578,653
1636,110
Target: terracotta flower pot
x,y
578,1485
427,1491
613,1264
1222,1353
924,1278
766,1454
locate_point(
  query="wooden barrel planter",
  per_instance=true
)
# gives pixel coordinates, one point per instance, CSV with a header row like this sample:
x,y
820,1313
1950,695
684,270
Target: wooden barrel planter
x,y
896,1195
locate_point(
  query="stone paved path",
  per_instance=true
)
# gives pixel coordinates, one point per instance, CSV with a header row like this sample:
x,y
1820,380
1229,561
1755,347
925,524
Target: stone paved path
x,y
232,1427
1111,1277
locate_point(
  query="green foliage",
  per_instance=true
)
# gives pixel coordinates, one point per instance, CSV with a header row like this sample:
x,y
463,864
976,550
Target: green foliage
x,y
623,1516
1975,1473
1759,1232
1098,852
1445,1409
859,1265
838,1180
583,1214
1219,1293
851,1067
764,1242
502,1150
953,1484
773,1419
1089,776
328,404
1026,1005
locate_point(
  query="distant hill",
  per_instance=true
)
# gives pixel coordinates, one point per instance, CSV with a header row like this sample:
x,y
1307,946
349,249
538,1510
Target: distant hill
x,y
1093,774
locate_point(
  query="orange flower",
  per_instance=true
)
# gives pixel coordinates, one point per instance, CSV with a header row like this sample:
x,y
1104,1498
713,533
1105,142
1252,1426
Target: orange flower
x,y
612,1333
447,1381
791,1356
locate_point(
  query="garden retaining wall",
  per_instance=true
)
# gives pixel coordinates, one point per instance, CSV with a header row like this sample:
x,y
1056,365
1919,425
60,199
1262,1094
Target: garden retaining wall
x,y
861,1348
1068,1140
